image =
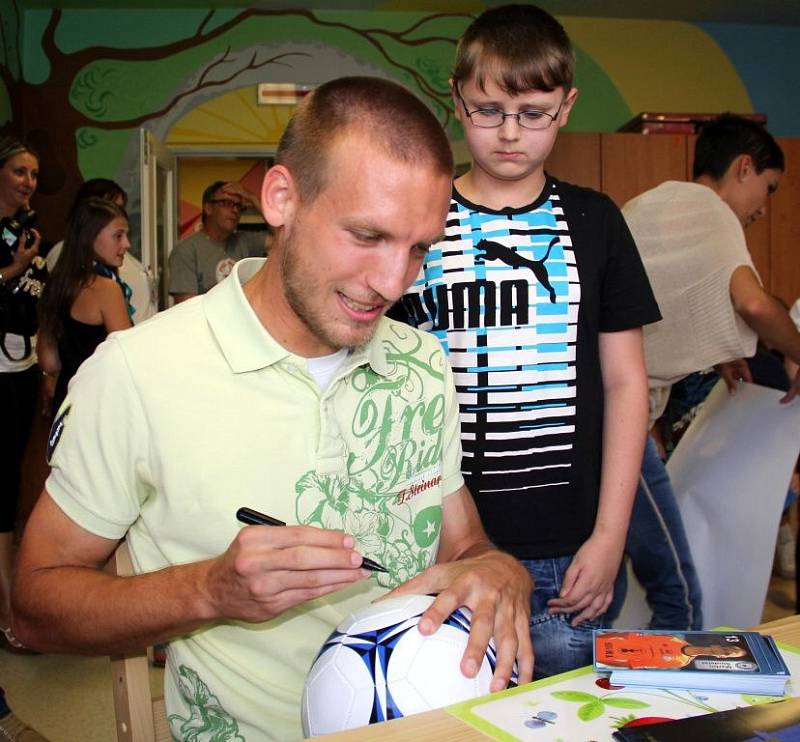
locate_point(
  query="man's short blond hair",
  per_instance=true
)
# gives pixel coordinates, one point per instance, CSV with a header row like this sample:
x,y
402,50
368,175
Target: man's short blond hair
x,y
387,115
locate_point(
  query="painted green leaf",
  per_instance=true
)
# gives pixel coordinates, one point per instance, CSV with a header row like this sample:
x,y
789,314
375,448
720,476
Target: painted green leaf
x,y
590,711
625,703
574,695
758,700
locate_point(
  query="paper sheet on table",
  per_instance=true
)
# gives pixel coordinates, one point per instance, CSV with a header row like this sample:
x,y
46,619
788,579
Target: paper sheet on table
x,y
730,474
577,706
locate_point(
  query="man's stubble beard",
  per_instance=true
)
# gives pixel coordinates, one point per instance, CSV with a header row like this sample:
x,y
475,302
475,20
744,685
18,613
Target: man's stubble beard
x,y
296,288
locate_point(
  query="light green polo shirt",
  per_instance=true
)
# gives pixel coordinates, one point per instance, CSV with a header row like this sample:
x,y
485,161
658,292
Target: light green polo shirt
x,y
176,423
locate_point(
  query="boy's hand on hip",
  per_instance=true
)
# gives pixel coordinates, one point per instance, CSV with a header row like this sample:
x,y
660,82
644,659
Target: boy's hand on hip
x,y
589,581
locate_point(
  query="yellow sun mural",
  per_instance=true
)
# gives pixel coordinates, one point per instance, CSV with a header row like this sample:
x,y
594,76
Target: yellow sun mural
x,y
232,120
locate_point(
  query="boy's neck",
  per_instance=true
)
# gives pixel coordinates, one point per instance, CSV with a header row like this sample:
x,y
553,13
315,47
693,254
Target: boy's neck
x,y
481,188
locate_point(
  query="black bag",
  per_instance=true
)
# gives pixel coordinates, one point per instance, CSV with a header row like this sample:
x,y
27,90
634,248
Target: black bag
x,y
18,300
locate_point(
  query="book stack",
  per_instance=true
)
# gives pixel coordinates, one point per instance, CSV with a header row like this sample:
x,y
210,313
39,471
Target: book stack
x,y
727,661
677,123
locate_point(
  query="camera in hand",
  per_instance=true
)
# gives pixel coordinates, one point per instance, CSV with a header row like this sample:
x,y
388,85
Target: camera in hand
x,y
12,228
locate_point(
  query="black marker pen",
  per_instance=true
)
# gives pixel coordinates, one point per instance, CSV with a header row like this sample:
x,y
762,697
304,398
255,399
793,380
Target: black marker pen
x,y
254,518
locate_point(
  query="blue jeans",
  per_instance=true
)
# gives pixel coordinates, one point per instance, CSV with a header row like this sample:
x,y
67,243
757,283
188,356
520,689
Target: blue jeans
x,y
659,553
558,647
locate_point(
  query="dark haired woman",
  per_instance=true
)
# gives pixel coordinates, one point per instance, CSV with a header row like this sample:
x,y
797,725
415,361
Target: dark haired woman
x,y
84,299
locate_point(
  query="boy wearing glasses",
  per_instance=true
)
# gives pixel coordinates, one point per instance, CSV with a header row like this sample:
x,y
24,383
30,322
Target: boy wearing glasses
x,y
538,294
202,260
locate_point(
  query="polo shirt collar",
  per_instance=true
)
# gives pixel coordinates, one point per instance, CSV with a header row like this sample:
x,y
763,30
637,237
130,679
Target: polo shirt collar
x,y
245,342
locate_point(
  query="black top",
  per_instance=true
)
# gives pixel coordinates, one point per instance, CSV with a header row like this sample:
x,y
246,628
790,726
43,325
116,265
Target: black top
x,y
76,344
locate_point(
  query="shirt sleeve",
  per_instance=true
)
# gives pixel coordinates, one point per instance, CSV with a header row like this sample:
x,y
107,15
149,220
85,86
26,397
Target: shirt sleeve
x,y
183,269
627,300
98,446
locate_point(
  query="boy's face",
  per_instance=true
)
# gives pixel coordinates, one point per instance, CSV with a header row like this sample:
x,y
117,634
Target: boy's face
x,y
511,152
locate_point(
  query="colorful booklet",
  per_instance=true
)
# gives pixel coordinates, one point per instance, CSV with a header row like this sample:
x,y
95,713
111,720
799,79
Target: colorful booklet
x,y
778,721
727,661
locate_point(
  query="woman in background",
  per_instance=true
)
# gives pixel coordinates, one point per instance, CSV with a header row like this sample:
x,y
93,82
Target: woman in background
x,y
132,272
19,172
84,299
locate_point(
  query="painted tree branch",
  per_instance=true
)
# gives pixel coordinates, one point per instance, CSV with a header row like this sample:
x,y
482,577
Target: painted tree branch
x,y
202,84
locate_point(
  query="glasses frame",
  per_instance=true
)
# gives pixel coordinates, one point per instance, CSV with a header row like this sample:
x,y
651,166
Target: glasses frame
x,y
228,203
504,115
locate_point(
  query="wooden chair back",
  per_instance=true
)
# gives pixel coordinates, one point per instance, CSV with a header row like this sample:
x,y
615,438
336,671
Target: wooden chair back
x,y
139,716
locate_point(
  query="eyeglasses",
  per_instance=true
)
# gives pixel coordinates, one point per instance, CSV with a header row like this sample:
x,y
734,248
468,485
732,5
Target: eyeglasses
x,y
228,203
493,118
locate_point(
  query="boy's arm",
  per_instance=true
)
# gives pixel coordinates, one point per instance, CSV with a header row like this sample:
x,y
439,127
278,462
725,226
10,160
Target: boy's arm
x,y
768,318
589,581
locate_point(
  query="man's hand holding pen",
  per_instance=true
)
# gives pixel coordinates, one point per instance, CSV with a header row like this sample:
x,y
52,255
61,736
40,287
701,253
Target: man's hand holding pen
x,y
266,571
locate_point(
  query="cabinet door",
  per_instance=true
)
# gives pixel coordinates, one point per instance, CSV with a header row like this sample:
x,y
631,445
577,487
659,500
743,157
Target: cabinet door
x,y
633,163
576,159
784,227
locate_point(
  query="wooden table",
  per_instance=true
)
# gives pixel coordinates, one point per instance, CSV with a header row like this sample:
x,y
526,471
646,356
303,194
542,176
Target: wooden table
x,y
440,726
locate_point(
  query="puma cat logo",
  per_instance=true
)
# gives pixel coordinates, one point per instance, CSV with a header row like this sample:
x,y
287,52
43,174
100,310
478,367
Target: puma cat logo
x,y
496,251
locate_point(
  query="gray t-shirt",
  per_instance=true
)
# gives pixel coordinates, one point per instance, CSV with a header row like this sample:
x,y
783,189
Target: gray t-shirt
x,y
199,263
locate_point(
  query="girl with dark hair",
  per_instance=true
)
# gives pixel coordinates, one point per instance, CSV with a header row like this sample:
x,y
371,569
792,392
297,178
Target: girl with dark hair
x,y
19,170
84,299
132,272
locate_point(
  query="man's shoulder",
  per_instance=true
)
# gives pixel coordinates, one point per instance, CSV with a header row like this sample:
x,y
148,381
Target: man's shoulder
x,y
166,335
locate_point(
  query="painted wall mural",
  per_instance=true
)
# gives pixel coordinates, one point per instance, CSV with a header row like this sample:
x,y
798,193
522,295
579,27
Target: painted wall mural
x,y
79,82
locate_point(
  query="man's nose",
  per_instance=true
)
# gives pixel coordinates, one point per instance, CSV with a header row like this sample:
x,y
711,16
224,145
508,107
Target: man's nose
x,y
389,275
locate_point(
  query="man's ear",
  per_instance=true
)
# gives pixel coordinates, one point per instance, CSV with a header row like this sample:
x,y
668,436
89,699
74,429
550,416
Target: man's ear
x,y
278,196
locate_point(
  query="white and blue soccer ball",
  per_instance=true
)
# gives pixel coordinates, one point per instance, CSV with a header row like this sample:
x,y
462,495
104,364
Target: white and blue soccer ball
x,y
376,666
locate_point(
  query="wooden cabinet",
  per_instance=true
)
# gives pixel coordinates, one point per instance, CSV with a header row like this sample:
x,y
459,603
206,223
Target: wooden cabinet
x,y
784,228
576,159
634,163
625,165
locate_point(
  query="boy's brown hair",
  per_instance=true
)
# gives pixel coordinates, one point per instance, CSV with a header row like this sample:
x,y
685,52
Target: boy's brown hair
x,y
520,47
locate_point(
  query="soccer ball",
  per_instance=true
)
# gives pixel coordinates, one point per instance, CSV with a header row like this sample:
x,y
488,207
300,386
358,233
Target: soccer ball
x,y
377,666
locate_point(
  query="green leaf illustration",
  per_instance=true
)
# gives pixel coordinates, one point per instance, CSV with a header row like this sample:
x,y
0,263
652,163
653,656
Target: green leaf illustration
x,y
590,711
574,695
758,700
625,703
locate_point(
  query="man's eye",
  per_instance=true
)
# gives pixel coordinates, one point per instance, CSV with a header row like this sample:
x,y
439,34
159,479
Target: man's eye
x,y
367,237
489,112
